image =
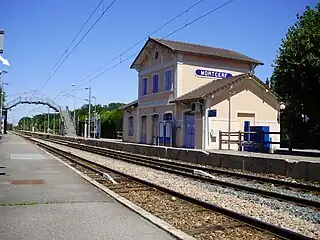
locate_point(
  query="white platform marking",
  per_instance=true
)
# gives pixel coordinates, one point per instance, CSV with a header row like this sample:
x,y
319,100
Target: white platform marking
x,y
15,143
26,156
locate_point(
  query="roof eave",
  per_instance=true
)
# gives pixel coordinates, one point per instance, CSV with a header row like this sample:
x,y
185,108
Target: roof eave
x,y
134,65
129,105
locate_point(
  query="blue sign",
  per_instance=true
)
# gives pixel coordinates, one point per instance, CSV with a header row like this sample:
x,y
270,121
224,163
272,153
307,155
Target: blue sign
x,y
212,74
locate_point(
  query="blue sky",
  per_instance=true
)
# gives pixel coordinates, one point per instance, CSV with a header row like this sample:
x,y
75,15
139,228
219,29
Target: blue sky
x,y
37,32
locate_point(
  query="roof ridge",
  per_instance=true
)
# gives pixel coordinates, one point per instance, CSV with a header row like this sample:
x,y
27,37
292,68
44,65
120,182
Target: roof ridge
x,y
194,44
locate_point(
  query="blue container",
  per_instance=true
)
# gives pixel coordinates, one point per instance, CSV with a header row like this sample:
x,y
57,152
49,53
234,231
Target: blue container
x,y
262,145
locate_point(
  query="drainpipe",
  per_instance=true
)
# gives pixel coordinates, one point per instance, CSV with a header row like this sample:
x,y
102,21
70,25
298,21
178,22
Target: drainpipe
x,y
204,125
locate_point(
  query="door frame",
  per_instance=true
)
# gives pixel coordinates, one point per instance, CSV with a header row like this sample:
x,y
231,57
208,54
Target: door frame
x,y
192,140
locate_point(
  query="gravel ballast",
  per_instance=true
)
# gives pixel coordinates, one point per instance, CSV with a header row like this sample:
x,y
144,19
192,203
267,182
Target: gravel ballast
x,y
303,220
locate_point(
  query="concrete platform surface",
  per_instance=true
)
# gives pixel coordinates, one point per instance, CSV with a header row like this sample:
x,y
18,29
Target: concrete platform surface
x,y
58,203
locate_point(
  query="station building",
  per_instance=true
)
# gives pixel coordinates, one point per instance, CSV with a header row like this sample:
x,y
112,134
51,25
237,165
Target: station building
x,y
186,92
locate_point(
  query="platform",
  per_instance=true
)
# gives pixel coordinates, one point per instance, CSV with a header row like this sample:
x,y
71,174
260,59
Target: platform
x,y
42,199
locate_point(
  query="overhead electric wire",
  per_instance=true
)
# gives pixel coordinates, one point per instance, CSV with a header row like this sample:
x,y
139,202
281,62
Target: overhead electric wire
x,y
171,33
85,23
142,39
138,42
70,52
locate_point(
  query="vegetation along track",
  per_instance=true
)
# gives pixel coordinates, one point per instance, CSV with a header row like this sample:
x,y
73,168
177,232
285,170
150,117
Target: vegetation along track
x,y
197,218
302,194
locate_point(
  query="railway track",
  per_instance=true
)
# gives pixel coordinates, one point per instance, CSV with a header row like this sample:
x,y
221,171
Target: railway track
x,y
214,176
194,217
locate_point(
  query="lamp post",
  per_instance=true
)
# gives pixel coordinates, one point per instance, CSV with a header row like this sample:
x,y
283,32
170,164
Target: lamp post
x,y
229,116
48,125
89,113
95,115
54,123
74,102
2,100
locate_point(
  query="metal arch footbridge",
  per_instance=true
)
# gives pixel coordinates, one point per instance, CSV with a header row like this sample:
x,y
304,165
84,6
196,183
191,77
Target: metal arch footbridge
x,y
69,128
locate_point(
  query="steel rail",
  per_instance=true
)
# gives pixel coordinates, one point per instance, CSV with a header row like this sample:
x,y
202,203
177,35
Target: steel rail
x,y
274,230
187,171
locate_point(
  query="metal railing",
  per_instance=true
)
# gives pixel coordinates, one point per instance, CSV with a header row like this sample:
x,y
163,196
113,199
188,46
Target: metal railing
x,y
33,100
118,135
239,139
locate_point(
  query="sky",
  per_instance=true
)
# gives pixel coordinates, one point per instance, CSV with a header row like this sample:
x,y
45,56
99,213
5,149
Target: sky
x,y
37,33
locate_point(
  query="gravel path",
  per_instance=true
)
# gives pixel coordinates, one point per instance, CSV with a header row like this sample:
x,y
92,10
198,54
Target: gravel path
x,y
268,187
299,219
266,175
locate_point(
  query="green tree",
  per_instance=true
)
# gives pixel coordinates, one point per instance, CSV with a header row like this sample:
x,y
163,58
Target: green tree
x,y
296,78
110,115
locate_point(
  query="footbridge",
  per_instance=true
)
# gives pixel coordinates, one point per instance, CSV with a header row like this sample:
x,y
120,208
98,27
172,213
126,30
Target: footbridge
x,y
68,123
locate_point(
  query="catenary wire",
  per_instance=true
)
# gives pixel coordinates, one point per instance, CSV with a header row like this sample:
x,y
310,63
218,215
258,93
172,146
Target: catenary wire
x,y
171,33
138,42
81,39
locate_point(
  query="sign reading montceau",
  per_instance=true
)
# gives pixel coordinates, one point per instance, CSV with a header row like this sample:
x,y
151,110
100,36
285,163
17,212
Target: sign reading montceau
x,y
212,74
1,40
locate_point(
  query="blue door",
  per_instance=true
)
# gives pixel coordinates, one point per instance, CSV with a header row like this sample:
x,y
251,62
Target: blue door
x,y
189,129
246,128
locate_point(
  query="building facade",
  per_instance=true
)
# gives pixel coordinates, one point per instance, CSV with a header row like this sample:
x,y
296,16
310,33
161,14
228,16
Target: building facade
x,y
188,93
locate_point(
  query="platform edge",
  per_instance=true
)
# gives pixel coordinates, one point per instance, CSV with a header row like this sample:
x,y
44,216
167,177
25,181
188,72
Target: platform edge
x,y
148,216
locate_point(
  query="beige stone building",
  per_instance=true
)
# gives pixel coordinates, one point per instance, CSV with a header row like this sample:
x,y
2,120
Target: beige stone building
x,y
188,93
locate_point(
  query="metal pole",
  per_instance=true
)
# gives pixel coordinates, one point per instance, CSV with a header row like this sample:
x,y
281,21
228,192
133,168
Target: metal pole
x,y
95,116
74,103
1,94
59,126
48,125
1,103
54,123
89,126
229,120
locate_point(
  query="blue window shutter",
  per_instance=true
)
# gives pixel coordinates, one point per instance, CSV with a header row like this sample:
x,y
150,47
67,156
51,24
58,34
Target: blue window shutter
x,y
130,126
144,86
168,80
155,83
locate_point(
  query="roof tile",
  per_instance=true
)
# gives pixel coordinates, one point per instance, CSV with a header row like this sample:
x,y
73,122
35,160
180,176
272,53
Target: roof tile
x,y
205,50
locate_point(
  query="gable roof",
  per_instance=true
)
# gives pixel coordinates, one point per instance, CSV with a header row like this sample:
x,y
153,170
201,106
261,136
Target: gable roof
x,y
217,86
196,49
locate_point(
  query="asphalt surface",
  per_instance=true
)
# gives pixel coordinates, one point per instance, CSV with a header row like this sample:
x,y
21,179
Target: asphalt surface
x,y
58,204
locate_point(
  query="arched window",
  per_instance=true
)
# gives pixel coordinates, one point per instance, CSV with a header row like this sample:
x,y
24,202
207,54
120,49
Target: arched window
x,y
155,125
167,116
143,133
130,126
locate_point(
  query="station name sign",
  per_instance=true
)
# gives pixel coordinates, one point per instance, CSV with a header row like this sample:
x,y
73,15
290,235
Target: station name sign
x,y
212,74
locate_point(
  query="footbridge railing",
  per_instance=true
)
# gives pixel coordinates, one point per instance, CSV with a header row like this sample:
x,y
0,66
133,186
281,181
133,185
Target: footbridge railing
x,y
33,100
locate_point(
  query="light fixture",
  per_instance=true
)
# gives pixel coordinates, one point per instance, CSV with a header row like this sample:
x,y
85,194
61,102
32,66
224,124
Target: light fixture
x,y
282,106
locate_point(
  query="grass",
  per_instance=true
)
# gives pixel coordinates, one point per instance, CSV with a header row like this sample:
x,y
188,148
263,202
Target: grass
x,y
2,204
18,204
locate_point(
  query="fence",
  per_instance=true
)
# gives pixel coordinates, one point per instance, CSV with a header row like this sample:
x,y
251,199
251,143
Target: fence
x,y
241,142
117,135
